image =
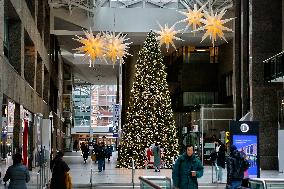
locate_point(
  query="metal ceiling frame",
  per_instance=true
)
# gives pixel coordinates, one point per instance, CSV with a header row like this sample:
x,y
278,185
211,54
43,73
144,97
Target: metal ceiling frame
x,y
91,5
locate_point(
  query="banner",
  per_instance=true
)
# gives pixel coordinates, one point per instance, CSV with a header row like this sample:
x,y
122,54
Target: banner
x,y
25,143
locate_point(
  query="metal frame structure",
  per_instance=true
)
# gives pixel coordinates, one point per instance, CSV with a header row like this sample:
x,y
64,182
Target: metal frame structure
x,y
92,5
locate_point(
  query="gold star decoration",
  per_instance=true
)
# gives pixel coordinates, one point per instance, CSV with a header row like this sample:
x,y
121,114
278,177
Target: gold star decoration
x,y
116,46
193,16
167,35
214,25
93,47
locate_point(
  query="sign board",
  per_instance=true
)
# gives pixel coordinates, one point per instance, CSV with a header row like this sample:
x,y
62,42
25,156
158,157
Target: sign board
x,y
115,122
244,135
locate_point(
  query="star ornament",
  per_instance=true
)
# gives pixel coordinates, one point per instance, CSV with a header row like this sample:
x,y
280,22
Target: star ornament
x,y
93,46
193,17
214,25
167,35
116,47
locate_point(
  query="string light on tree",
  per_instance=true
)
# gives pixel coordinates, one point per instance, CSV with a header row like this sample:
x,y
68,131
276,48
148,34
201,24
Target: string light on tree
x,y
116,46
214,25
93,47
149,118
193,17
167,35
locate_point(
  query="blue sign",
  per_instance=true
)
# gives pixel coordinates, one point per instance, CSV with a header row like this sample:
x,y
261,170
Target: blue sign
x,y
247,144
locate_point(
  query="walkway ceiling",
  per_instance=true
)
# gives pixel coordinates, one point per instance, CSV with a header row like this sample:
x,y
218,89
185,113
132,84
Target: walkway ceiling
x,y
71,20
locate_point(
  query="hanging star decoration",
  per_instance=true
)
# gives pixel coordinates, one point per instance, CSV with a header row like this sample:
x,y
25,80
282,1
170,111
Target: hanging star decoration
x,y
93,46
167,35
116,47
193,17
214,25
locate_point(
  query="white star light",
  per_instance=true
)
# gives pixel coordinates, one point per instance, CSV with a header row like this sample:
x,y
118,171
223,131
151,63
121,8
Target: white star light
x,y
214,25
167,35
193,16
116,48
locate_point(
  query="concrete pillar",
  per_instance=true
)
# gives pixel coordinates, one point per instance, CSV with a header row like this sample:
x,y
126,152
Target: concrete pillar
x,y
16,129
266,41
237,101
1,59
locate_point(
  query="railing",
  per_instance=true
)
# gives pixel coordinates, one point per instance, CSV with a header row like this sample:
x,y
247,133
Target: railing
x,y
274,68
156,182
266,183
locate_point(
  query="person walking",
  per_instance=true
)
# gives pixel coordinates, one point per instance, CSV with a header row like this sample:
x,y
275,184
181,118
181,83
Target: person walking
x,y
59,170
220,160
85,152
108,152
17,173
236,166
75,145
157,157
100,154
186,170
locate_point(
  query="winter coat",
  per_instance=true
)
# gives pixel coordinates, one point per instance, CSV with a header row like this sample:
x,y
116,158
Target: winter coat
x,y
235,169
18,175
221,156
59,169
157,156
182,172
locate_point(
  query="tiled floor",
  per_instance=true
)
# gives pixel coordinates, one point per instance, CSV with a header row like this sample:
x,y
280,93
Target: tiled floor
x,y
81,173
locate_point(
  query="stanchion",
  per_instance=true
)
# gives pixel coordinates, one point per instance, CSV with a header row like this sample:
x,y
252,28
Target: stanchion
x,y
91,178
133,172
37,184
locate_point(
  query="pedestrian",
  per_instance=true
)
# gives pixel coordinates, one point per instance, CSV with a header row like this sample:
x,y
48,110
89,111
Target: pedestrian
x,y
157,157
100,155
75,145
17,173
108,152
186,170
59,171
220,160
236,166
85,152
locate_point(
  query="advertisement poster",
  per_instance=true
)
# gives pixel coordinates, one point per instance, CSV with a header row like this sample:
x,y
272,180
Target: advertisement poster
x,y
248,145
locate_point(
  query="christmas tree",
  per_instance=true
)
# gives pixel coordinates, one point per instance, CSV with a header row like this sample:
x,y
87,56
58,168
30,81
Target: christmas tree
x,y
149,117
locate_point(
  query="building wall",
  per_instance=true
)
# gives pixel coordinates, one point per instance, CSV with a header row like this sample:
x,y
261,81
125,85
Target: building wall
x,y
31,45
266,41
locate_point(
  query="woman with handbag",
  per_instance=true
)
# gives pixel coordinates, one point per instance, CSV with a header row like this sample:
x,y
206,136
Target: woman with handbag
x,y
60,177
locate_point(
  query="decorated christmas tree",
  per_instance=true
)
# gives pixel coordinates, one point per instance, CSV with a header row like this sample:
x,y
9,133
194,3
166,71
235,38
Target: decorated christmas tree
x,y
149,117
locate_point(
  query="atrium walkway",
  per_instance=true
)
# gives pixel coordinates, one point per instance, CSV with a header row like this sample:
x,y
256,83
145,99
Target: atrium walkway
x,y
118,178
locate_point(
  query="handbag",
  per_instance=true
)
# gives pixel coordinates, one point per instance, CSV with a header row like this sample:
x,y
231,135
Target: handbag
x,y
68,181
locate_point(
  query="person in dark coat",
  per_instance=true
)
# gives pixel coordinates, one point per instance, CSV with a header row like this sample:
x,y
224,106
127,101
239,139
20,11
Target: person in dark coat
x,y
186,170
108,152
75,145
58,169
157,157
236,166
100,154
220,159
17,173
85,152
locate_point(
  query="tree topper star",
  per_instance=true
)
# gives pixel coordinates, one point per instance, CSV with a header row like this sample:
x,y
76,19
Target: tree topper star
x,y
214,25
167,35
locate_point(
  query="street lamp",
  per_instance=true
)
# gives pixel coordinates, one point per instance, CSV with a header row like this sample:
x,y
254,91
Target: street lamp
x,y
51,131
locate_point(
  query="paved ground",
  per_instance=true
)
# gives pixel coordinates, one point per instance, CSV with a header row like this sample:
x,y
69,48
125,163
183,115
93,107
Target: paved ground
x,y
118,178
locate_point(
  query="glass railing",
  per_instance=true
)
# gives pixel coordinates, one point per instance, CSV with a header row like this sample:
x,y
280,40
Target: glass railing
x,y
156,182
274,68
266,183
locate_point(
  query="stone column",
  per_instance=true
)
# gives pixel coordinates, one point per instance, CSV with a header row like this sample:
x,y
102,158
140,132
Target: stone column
x,y
245,56
237,101
266,41
1,58
16,129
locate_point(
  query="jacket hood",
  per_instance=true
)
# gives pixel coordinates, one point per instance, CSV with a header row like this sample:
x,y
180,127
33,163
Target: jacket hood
x,y
185,156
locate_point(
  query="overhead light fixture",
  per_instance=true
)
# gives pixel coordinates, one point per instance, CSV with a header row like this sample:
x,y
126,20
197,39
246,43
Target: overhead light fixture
x,y
200,50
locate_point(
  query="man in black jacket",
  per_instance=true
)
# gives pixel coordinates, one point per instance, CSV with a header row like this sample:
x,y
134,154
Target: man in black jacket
x,y
236,165
100,155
